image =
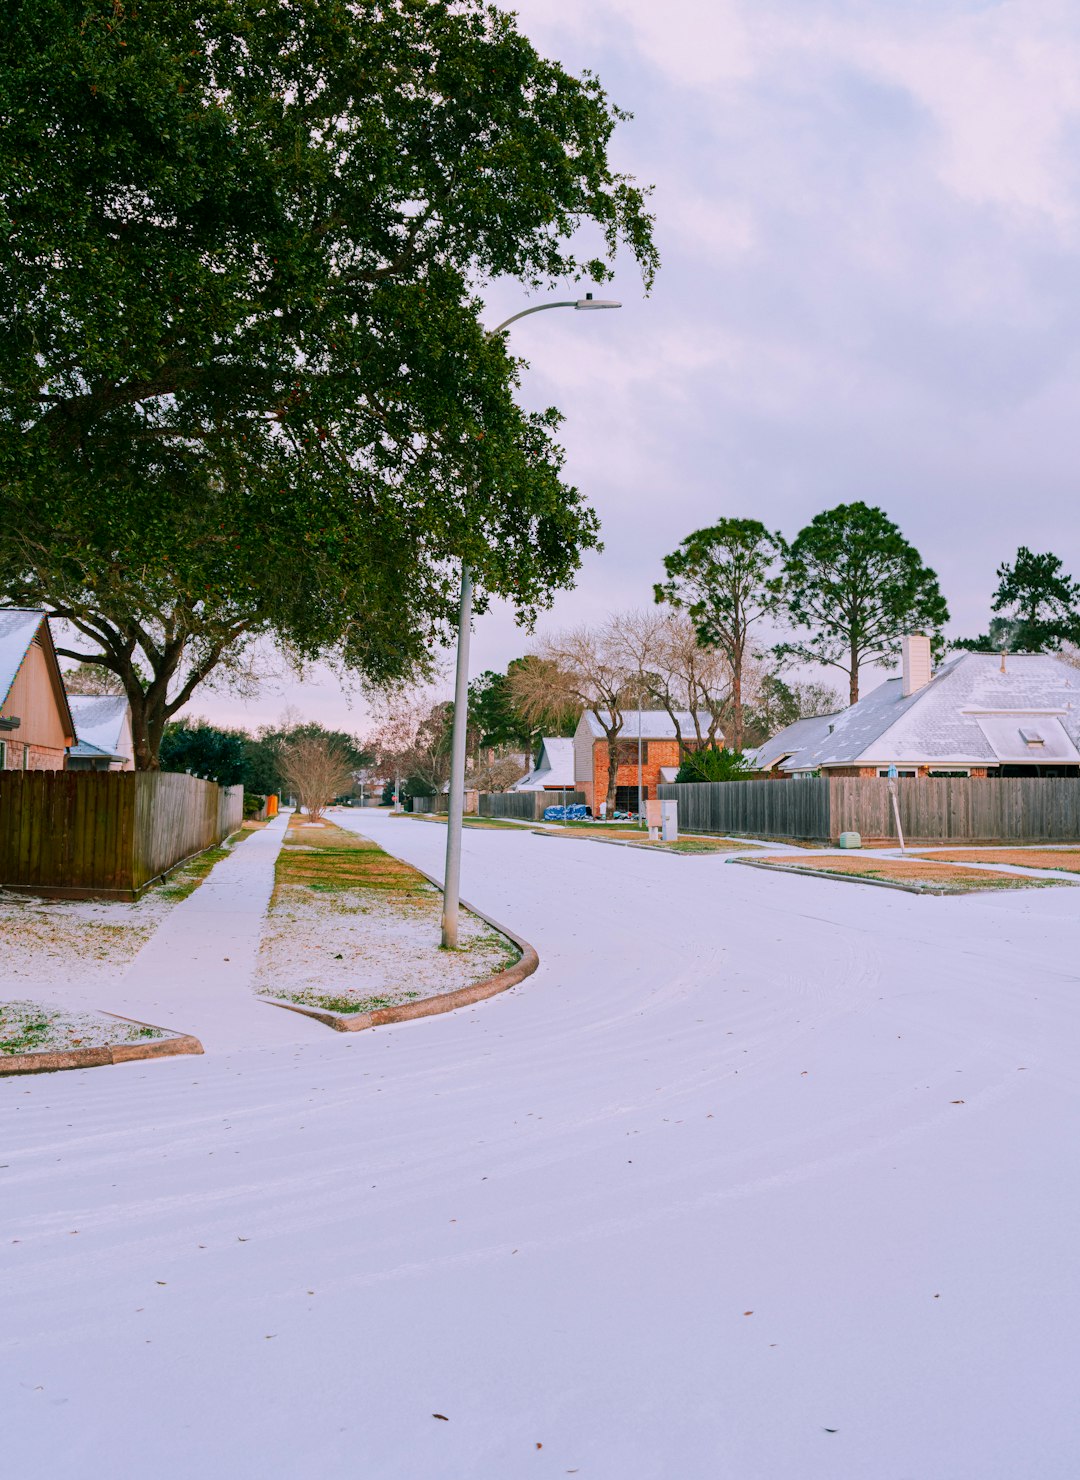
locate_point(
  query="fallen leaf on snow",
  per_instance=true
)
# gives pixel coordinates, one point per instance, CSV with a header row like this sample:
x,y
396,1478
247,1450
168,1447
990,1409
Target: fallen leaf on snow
x,y
442,1416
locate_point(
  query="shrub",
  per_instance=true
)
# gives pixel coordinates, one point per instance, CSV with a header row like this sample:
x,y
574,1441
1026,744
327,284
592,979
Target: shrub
x,y
716,763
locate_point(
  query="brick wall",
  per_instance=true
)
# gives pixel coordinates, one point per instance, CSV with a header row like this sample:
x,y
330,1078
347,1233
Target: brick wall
x,y
659,753
978,773
19,756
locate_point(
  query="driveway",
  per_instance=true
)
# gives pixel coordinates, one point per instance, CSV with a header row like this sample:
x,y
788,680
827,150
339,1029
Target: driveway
x,y
759,1176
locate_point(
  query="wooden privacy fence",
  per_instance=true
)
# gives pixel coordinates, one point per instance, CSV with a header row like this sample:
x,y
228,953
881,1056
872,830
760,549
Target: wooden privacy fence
x,y
85,833
932,810
953,808
436,804
761,809
526,806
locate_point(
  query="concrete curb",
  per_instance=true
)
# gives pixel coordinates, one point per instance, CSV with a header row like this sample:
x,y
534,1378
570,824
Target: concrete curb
x,y
815,873
92,1058
642,847
356,1022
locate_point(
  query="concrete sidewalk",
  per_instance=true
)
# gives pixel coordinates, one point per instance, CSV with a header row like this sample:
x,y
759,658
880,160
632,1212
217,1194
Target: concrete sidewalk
x,y
195,972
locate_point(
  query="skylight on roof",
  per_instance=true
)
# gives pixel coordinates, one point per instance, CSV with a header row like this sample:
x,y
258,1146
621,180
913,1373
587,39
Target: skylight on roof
x,y
1032,737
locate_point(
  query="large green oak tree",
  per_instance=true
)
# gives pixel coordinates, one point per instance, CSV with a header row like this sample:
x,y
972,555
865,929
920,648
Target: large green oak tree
x,y
244,382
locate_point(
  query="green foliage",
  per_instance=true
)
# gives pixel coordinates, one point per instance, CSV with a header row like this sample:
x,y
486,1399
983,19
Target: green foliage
x,y
204,751
262,770
856,583
1041,606
781,702
715,763
492,713
243,378
496,715
724,576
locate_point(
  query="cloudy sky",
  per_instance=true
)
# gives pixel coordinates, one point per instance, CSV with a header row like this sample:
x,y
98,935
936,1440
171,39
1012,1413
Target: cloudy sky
x,y
869,214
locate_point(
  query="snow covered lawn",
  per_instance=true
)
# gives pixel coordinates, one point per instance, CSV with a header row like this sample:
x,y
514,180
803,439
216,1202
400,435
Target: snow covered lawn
x,y
915,874
1066,860
64,941
352,929
32,1027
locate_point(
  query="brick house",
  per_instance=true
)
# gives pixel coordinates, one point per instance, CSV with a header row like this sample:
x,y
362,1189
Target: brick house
x,y
660,754
35,720
981,715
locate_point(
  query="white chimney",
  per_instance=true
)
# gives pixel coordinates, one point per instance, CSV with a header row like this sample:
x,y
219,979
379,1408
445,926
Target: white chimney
x,y
915,655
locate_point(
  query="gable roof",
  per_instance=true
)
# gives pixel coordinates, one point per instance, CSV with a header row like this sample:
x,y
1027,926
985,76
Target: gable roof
x,y
19,628
656,724
555,766
786,744
947,721
99,724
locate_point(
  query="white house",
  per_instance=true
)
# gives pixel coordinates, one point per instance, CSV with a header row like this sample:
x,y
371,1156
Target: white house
x,y
980,715
102,733
554,769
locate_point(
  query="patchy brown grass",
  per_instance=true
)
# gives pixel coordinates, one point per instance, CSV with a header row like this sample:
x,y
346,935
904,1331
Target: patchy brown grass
x,y
639,837
329,860
1066,860
948,876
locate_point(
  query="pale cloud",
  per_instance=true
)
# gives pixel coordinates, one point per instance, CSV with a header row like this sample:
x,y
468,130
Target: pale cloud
x,y
868,214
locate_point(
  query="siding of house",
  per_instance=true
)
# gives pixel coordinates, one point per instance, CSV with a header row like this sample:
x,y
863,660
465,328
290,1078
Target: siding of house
x,y
583,760
41,732
659,754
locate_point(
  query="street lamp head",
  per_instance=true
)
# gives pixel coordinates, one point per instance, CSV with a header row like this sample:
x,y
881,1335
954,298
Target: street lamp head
x,y
590,302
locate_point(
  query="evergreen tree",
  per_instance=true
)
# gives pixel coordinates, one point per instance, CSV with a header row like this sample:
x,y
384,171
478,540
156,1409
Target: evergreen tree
x,y
1037,606
856,584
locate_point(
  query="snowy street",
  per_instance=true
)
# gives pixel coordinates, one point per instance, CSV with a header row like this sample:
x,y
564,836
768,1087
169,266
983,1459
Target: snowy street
x,y
759,1176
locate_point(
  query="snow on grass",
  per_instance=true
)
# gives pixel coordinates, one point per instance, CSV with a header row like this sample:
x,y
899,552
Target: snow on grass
x,y
351,929
33,1027
68,941
939,878
1065,860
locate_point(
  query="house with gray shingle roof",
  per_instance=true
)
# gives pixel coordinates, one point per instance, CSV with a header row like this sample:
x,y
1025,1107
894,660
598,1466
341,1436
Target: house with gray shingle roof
x,y
653,735
554,769
979,715
102,732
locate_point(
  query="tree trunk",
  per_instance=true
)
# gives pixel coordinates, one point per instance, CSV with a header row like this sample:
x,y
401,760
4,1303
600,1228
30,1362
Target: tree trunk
x,y
613,770
853,687
736,707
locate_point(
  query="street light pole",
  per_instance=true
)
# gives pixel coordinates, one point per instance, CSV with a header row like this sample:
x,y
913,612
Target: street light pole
x,y
456,801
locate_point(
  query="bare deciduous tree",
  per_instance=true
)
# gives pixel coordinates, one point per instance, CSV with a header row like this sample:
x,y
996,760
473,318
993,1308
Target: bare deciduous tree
x,y
587,667
497,774
411,740
677,673
316,769
91,678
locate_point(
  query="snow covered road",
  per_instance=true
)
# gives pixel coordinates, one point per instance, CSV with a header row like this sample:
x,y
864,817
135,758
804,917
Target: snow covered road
x,y
759,1176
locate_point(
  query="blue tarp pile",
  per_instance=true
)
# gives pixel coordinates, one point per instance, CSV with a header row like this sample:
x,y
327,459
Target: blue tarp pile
x,y
577,813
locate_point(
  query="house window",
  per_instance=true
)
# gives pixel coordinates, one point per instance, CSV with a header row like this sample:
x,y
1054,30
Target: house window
x,y
883,771
3,755
626,798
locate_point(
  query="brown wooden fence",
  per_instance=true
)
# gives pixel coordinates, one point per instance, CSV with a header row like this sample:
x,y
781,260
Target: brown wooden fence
x,y
946,809
84,833
760,809
526,806
932,810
